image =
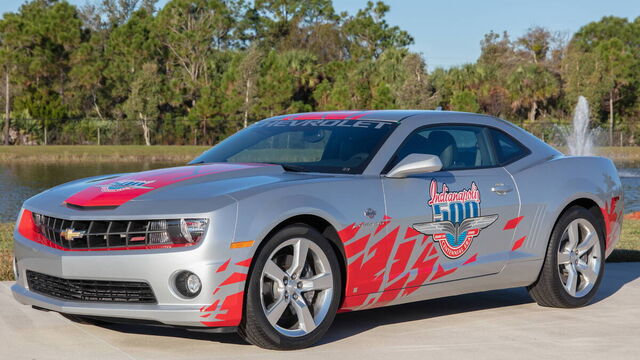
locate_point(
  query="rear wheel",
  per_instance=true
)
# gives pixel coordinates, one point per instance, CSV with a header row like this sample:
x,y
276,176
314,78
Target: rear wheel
x,y
574,263
293,292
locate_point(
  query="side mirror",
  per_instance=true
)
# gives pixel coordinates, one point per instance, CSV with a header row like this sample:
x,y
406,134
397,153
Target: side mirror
x,y
415,164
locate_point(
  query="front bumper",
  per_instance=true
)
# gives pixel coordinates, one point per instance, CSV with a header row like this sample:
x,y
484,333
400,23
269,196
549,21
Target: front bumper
x,y
219,303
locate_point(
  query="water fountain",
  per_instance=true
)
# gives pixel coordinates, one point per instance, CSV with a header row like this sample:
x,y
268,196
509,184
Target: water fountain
x,y
580,139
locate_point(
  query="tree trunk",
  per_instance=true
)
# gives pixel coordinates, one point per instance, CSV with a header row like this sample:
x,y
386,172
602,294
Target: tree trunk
x,y
7,108
246,103
44,124
145,129
611,117
532,112
204,131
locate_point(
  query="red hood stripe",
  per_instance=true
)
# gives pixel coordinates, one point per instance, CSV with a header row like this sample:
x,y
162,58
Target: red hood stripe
x,y
117,191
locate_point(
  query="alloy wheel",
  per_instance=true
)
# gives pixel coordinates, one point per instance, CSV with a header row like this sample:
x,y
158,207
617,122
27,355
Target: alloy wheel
x,y
296,287
579,258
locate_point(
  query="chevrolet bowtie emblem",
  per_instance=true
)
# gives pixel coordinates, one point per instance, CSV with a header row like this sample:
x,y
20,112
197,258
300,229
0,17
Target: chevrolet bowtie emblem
x,y
70,234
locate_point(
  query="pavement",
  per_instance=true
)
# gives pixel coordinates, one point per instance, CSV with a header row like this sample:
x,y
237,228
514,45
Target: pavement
x,y
489,325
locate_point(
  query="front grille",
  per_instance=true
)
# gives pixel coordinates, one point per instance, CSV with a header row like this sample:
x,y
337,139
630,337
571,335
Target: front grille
x,y
90,290
101,234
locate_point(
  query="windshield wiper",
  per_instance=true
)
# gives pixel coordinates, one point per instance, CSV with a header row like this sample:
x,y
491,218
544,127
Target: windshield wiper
x,y
292,168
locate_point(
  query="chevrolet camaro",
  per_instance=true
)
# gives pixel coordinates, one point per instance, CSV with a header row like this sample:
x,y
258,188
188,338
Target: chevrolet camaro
x,y
276,229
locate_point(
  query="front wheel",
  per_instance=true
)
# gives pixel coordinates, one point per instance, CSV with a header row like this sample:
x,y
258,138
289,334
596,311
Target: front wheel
x,y
574,263
293,292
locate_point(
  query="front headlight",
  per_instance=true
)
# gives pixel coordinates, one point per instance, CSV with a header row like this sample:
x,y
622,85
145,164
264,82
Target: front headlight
x,y
182,231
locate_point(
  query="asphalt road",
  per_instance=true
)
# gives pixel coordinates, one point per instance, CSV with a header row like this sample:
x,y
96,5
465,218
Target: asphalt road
x,y
491,325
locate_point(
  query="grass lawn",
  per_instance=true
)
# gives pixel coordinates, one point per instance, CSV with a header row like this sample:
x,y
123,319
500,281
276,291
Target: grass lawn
x,y
6,251
622,156
628,248
57,153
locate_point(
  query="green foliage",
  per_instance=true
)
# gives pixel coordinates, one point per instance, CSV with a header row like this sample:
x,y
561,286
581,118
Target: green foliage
x,y
195,71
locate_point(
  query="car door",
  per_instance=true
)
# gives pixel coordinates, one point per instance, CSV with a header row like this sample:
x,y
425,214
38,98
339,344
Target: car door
x,y
458,218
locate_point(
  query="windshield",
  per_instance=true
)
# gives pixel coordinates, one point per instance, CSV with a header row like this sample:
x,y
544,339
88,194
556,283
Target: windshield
x,y
329,146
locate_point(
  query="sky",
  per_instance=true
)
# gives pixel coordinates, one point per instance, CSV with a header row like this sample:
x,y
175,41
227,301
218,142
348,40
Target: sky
x,y
448,33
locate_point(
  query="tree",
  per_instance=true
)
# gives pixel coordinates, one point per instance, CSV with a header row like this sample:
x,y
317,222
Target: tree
x,y
369,34
537,42
465,100
532,86
145,98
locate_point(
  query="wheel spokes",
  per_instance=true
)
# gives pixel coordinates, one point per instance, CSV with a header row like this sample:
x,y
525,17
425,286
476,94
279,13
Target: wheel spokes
x,y
319,282
564,258
574,236
587,272
572,280
586,244
274,272
305,319
274,313
300,250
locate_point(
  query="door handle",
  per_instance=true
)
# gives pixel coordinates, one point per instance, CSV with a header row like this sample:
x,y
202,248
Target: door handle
x,y
501,189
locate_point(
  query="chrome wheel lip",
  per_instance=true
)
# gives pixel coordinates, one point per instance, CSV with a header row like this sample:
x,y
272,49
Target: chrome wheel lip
x,y
578,258
289,287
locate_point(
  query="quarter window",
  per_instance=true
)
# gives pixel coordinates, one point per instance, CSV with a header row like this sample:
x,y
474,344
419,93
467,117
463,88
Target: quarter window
x,y
507,149
458,147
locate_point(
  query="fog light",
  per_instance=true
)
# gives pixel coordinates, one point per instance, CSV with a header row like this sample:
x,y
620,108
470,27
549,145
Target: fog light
x,y
188,284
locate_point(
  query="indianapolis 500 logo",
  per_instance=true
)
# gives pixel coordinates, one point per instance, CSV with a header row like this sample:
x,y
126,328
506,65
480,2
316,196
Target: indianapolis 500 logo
x,y
125,185
456,218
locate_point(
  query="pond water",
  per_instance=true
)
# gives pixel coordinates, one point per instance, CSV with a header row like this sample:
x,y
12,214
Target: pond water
x,y
19,181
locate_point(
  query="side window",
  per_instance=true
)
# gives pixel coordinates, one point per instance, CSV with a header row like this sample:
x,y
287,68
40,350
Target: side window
x,y
507,149
459,147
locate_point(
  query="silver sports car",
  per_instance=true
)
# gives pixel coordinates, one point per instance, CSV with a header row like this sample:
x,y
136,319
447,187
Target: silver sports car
x,y
273,231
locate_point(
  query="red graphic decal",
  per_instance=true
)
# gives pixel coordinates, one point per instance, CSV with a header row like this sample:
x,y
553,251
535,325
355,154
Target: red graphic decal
x,y
383,223
117,191
442,272
211,307
511,224
356,246
230,312
392,291
234,278
378,269
335,115
245,263
518,243
470,260
610,218
348,233
226,306
401,259
365,275
223,267
425,268
355,117
411,232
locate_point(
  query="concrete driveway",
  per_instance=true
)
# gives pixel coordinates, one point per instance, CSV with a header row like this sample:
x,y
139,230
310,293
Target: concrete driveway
x,y
491,325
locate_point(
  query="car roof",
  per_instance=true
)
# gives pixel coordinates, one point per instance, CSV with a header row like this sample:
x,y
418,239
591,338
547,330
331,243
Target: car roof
x,y
384,115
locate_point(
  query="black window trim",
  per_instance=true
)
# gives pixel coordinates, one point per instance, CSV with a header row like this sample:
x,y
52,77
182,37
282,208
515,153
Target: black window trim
x,y
490,138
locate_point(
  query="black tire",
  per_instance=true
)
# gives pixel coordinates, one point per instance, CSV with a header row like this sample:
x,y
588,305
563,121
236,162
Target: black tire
x,y
255,328
548,290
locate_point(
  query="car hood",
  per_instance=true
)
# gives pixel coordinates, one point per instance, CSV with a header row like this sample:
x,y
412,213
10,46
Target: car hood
x,y
192,188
